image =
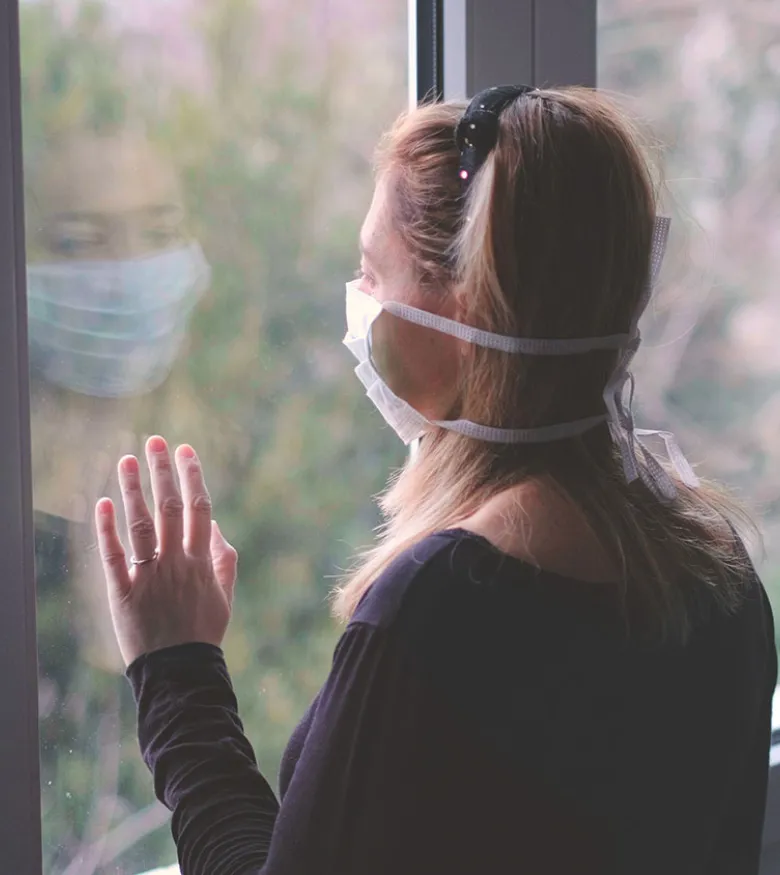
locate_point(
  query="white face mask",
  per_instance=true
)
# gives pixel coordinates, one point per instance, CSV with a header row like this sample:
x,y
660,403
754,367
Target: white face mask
x,y
409,424
112,328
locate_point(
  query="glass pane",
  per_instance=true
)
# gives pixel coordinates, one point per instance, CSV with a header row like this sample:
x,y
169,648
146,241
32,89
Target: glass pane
x,y
196,172
706,76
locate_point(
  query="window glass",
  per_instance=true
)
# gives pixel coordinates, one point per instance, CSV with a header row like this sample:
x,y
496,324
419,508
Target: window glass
x,y
196,172
706,76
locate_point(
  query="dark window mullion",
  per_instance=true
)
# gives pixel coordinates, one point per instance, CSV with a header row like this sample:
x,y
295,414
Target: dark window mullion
x,y
430,62
20,800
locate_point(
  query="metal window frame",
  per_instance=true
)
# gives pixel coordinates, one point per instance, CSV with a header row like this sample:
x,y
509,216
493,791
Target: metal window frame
x,y
426,44
770,858
535,42
20,801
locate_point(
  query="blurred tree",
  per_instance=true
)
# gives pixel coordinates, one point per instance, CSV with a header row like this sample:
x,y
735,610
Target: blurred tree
x,y
269,121
292,451
706,77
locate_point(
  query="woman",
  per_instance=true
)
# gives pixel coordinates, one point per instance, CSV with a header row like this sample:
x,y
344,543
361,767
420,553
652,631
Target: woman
x,y
558,658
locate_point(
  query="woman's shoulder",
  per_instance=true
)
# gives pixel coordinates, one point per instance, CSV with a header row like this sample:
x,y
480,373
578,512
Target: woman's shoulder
x,y
445,574
423,561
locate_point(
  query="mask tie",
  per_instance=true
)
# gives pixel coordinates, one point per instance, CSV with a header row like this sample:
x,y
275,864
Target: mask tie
x,y
624,433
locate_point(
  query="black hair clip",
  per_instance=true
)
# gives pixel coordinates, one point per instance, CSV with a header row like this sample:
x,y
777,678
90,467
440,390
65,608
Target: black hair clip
x,y
477,130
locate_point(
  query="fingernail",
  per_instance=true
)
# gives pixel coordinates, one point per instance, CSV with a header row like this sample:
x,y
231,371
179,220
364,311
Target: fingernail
x,y
129,464
156,444
187,452
104,506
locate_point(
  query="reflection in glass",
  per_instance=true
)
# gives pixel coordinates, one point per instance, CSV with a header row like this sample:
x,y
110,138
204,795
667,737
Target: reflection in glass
x,y
196,172
113,277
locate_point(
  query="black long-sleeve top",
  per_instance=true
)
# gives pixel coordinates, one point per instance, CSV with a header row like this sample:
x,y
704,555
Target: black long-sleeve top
x,y
482,717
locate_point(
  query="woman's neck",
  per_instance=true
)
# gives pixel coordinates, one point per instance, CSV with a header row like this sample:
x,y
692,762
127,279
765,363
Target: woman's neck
x,y
535,523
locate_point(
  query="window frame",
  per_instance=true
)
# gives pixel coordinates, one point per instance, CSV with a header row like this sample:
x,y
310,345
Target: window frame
x,y
426,44
532,42
770,860
20,799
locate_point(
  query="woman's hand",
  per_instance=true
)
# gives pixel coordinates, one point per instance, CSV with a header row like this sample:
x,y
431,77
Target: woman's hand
x,y
179,586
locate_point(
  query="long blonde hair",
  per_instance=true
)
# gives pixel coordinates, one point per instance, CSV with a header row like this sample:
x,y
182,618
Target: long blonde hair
x,y
552,241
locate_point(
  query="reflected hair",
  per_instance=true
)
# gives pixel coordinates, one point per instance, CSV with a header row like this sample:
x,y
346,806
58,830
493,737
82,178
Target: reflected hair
x,y
552,240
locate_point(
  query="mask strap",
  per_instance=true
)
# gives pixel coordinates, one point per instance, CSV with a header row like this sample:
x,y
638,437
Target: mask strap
x,y
637,459
540,435
627,439
621,417
542,346
501,342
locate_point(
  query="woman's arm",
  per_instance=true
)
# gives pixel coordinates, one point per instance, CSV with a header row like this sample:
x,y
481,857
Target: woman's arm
x,y
349,806
204,768
350,787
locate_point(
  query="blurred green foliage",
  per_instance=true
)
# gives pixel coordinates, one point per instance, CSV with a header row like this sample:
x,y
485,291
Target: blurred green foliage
x,y
292,451
269,131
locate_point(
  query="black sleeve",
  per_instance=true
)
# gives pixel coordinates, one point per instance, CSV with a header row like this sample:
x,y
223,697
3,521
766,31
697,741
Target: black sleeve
x,y
348,796
204,768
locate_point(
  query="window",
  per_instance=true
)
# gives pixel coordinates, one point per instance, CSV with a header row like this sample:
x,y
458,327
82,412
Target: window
x,y
195,172
195,175
706,77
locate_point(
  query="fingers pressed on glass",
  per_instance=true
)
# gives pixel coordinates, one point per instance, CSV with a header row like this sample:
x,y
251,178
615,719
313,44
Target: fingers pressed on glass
x,y
112,553
197,502
168,508
141,532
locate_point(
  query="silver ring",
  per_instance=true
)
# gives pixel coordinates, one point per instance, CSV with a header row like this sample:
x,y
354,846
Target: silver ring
x,y
134,561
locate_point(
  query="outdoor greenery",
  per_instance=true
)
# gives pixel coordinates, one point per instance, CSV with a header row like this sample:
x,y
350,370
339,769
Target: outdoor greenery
x,y
274,189
262,116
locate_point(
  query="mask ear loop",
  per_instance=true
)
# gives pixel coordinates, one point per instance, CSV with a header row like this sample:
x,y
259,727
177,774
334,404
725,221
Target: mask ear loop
x,y
621,417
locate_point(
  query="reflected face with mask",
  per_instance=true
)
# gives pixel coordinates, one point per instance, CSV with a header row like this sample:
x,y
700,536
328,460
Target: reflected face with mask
x,y
419,365
112,277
